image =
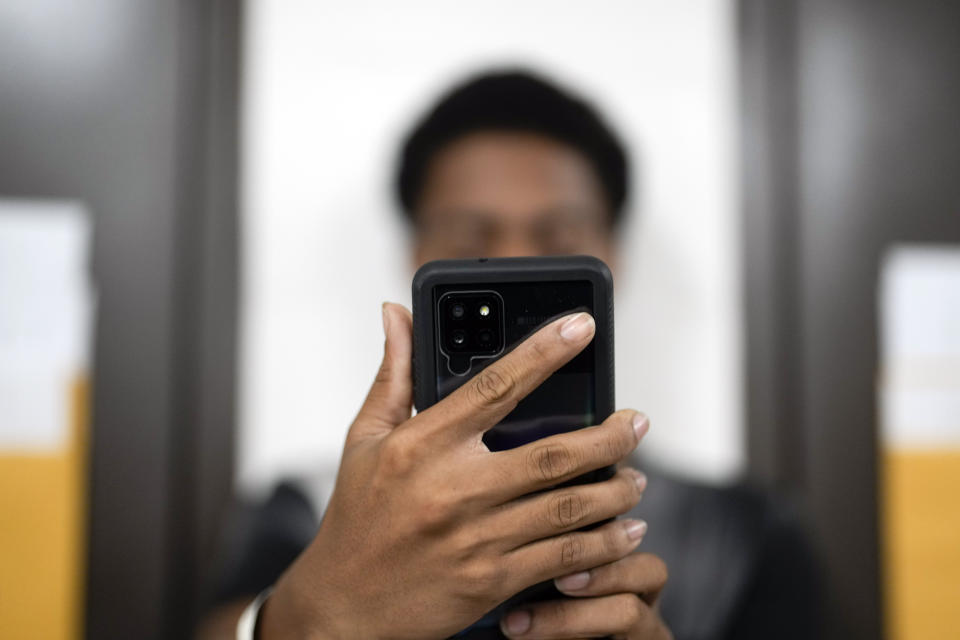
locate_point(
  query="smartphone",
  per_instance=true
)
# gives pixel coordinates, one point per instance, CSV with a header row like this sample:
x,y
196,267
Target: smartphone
x,y
469,313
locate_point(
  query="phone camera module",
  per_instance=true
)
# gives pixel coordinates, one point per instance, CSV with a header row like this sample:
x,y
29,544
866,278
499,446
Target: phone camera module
x,y
470,327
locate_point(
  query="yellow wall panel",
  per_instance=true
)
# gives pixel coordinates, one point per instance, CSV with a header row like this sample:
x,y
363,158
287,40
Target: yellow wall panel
x,y
921,526
42,536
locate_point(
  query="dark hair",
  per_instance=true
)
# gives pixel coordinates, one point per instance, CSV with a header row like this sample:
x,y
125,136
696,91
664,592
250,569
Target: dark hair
x,y
513,101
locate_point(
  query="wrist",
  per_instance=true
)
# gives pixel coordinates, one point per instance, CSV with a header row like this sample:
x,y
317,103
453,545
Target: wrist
x,y
289,613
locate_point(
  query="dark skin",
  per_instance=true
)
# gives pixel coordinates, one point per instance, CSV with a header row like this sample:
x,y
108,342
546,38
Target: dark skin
x,y
427,529
511,194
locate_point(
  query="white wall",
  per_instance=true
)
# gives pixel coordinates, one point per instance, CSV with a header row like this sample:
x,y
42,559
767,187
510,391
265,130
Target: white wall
x,y
330,88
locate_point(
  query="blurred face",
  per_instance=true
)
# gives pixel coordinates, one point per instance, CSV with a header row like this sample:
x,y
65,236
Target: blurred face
x,y
495,194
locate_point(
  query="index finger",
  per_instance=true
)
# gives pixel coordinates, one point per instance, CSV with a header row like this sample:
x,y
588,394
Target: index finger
x,y
490,395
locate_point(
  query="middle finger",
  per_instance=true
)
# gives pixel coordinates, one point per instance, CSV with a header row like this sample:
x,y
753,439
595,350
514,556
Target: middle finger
x,y
549,513
550,461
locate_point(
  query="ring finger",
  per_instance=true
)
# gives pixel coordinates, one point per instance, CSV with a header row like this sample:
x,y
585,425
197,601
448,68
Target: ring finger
x,y
552,512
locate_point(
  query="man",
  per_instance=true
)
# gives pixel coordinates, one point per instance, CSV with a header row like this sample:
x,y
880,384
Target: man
x,y
508,164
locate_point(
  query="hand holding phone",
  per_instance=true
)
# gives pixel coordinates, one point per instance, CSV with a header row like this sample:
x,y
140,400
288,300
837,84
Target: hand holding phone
x,y
428,529
469,313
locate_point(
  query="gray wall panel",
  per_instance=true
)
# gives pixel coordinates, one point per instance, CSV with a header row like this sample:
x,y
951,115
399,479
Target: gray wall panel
x,y
130,107
854,122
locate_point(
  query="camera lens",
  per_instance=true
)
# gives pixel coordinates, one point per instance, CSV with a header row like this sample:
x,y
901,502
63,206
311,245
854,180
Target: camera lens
x,y
457,311
485,337
459,337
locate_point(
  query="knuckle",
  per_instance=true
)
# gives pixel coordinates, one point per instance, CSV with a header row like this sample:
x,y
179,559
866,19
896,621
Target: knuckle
x,y
572,550
398,455
550,462
472,543
485,579
628,611
434,512
615,542
385,372
491,386
636,609
605,447
474,492
539,350
567,510
629,492
619,441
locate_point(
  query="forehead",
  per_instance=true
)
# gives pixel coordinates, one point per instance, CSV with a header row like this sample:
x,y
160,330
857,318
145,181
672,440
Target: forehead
x,y
508,173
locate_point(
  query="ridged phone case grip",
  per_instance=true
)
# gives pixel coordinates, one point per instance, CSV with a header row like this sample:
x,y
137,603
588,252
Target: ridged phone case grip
x,y
611,377
419,347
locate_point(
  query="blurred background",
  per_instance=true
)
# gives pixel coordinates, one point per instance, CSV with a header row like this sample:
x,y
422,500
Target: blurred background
x,y
196,231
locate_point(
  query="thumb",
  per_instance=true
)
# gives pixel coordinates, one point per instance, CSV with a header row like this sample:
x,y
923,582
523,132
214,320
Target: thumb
x,y
391,396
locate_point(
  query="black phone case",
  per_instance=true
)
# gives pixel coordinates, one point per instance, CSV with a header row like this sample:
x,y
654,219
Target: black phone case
x,y
434,279
491,271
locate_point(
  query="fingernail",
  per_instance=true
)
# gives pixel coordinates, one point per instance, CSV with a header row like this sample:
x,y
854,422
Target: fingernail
x,y
517,622
641,479
636,529
577,327
574,581
640,425
386,317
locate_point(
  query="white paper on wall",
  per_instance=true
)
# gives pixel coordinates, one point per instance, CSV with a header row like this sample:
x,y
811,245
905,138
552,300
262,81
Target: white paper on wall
x,y
920,347
46,302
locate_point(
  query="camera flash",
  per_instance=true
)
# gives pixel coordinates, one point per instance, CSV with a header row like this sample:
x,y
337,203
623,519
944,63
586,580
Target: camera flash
x,y
484,310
